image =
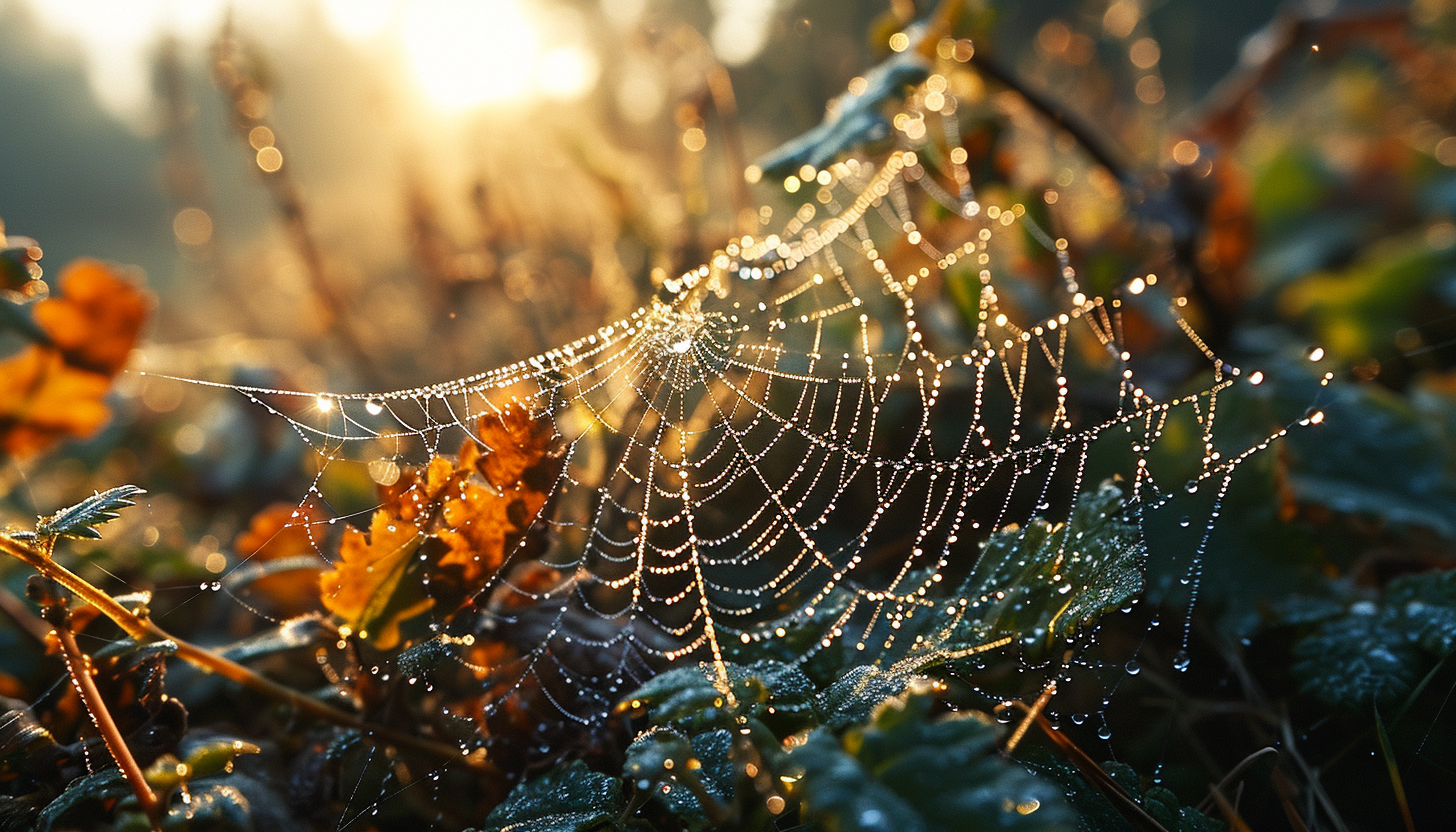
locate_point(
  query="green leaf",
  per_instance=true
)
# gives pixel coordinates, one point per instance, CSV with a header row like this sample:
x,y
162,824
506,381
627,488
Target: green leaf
x,y
776,694
909,772
853,698
1045,582
571,798
1362,657
1365,653
81,519
101,787
1096,813
689,772
1427,603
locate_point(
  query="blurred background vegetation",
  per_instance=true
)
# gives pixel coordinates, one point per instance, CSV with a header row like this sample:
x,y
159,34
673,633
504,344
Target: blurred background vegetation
x,y
372,195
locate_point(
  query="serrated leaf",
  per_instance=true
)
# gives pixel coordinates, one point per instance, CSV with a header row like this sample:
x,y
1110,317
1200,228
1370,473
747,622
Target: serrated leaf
x,y
1359,658
853,698
1047,581
81,519
572,798
1376,653
363,587
1427,602
689,698
908,772
683,766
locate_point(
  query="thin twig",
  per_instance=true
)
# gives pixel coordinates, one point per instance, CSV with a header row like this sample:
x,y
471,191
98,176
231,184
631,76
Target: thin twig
x,y
144,630
1053,111
242,89
16,610
1207,802
79,664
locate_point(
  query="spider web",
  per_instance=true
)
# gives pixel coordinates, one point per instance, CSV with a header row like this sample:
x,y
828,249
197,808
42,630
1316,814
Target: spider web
x,y
800,433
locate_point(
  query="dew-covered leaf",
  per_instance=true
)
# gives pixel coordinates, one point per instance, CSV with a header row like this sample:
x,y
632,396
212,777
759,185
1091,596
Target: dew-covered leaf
x,y
1362,657
853,698
572,798
103,787
676,768
1426,604
81,519
1366,652
1046,581
364,587
908,771
777,694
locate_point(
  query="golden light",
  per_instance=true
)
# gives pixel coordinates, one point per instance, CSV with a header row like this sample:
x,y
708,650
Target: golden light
x,y
466,54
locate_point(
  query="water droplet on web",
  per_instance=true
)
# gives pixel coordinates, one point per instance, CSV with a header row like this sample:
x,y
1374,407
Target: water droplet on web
x,y
1104,732
1314,353
1132,667
1078,719
374,406
1181,661
1183,522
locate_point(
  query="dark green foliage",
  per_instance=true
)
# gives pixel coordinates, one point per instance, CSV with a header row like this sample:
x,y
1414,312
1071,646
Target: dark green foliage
x,y
1047,581
572,798
1365,652
1097,813
853,698
81,519
910,772
88,794
685,774
769,692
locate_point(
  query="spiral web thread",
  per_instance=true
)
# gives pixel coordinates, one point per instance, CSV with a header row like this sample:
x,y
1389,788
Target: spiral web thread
x,y
792,422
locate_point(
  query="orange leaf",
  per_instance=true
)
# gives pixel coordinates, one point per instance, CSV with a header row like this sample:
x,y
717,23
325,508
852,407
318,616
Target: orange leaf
x,y
43,399
285,530
363,585
483,520
516,442
97,318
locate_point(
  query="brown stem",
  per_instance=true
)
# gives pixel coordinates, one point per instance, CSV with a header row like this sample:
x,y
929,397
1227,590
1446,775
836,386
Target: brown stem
x,y
80,666
144,630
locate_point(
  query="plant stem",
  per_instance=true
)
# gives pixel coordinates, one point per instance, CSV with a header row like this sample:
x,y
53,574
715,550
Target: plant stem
x,y
80,666
144,630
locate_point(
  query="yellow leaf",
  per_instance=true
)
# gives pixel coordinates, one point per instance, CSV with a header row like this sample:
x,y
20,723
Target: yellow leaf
x,y
364,582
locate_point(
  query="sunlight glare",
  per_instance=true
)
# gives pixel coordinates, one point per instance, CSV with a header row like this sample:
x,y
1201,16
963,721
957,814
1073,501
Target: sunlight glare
x,y
465,54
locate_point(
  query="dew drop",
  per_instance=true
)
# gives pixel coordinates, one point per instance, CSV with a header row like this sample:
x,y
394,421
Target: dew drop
x,y
1181,661
1104,732
374,406
1183,522
1133,667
